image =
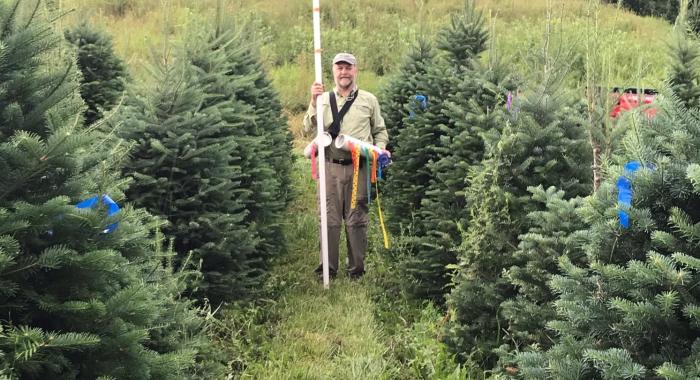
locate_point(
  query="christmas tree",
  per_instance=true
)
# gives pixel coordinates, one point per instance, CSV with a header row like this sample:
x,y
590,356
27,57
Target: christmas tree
x,y
542,145
405,90
187,168
83,292
421,189
103,73
259,126
630,310
212,156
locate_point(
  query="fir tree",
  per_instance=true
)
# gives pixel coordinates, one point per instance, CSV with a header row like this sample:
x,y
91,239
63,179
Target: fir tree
x,y
461,93
470,110
401,96
553,233
247,82
421,139
479,289
631,309
543,145
684,79
80,296
260,128
104,74
187,167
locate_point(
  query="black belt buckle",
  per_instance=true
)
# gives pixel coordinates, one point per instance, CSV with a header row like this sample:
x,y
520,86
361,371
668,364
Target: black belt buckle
x,y
342,161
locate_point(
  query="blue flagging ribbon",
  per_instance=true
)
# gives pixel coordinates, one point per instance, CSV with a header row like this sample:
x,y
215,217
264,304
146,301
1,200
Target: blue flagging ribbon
x,y
420,99
112,208
383,160
625,193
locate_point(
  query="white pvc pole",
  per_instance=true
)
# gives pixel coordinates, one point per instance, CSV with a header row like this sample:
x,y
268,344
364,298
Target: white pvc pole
x,y
321,150
326,140
343,141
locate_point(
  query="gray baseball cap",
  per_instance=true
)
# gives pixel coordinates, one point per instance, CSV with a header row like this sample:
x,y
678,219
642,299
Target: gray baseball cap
x,y
345,57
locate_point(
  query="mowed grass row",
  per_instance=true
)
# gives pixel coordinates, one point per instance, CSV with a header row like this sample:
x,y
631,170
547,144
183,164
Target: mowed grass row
x,y
319,333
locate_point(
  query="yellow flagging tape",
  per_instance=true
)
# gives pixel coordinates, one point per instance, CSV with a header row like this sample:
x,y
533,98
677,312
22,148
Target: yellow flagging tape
x,y
355,175
381,219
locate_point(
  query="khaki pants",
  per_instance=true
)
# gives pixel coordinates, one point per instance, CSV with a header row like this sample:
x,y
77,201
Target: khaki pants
x,y
338,202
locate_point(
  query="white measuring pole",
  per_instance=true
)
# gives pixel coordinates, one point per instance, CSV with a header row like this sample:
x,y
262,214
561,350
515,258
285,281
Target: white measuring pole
x,y
321,148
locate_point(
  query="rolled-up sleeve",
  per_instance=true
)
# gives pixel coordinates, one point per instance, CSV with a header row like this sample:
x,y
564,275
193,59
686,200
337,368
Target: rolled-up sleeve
x,y
310,119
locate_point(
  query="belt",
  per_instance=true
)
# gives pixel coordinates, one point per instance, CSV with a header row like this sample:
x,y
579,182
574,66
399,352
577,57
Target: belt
x,y
344,161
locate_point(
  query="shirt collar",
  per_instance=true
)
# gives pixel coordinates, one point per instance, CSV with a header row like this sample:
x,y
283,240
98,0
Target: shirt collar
x,y
337,94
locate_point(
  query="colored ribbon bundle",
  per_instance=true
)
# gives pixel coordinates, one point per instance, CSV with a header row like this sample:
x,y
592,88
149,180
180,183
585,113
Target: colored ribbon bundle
x,y
374,170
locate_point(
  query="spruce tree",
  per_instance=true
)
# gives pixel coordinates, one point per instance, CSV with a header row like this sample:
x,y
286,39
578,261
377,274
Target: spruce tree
x,y
103,73
83,293
630,310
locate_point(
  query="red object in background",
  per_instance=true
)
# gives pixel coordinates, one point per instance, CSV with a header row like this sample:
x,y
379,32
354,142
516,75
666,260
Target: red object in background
x,y
630,99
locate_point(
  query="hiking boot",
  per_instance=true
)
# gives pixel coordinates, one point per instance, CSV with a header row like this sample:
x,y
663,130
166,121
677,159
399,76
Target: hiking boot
x,y
319,274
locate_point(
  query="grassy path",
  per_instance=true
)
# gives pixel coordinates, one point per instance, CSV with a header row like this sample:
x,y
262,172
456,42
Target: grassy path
x,y
319,334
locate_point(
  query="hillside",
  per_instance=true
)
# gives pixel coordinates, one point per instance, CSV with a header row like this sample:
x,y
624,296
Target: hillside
x,y
380,32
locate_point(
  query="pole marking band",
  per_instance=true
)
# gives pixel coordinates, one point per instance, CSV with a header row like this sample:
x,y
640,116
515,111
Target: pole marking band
x,y
316,9
318,50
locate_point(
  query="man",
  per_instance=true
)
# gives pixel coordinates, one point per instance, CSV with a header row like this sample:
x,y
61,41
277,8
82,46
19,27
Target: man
x,y
361,119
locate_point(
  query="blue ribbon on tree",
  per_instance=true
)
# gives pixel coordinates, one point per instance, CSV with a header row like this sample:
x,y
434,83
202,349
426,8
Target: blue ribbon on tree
x,y
422,100
112,208
625,193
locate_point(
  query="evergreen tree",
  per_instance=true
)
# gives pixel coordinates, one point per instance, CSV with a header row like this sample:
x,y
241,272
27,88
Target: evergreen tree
x,y
247,82
187,167
402,94
429,167
542,145
82,294
630,311
442,213
259,126
684,78
554,233
104,74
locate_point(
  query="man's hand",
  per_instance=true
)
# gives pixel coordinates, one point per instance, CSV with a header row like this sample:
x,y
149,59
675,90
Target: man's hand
x,y
316,90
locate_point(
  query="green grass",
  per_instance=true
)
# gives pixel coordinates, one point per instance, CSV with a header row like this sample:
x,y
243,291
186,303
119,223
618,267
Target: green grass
x,y
380,32
318,333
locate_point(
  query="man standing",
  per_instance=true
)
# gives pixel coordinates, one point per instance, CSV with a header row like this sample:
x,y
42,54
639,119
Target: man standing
x,y
353,112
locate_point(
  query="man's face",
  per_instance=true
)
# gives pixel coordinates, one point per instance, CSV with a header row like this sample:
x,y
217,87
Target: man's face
x,y
344,75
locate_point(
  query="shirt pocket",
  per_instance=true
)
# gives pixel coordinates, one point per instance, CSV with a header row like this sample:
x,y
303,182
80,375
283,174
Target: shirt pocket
x,y
360,112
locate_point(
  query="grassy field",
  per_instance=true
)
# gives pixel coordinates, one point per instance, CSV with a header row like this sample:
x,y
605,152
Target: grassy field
x,y
354,330
313,333
379,32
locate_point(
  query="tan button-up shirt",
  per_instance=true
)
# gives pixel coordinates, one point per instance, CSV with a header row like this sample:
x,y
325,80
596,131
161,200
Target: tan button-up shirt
x,y
363,121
